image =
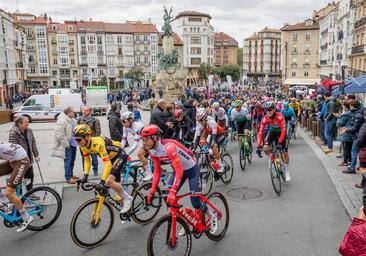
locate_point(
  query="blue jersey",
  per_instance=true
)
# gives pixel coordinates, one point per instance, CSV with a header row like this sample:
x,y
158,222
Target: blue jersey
x,y
288,113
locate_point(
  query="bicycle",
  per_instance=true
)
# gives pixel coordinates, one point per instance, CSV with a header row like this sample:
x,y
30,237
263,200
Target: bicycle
x,y
164,234
92,215
39,203
208,171
276,168
246,150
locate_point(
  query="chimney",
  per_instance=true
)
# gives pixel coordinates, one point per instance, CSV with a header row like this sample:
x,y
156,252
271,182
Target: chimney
x,y
45,16
90,19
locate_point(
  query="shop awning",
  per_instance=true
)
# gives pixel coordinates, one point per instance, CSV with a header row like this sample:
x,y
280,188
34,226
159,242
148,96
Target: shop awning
x,y
299,81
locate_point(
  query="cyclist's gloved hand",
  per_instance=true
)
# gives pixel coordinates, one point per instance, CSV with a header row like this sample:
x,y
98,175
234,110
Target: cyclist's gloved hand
x,y
101,188
171,197
150,196
259,153
84,179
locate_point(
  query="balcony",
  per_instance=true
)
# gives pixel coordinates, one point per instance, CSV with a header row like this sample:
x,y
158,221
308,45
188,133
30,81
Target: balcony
x,y
65,76
102,64
146,52
137,42
294,65
100,53
307,52
324,47
360,22
71,42
83,53
146,42
30,36
294,52
31,48
325,32
323,62
358,49
306,65
53,41
83,64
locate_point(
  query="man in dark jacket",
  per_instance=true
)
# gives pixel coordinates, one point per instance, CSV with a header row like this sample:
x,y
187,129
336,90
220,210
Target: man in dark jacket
x,y
115,124
190,110
329,119
357,121
157,118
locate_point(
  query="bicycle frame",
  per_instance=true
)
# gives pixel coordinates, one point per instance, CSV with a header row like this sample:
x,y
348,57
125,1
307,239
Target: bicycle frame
x,y
177,210
15,216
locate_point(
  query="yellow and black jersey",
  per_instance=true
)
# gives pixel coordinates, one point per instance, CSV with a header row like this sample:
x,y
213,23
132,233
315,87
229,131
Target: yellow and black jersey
x,y
106,149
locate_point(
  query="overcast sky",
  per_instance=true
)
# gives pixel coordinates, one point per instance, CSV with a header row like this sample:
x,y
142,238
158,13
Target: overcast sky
x,y
239,18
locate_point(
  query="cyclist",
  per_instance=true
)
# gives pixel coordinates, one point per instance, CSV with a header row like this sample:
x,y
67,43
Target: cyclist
x,y
133,127
277,134
206,126
113,156
241,118
17,164
184,165
219,114
183,126
289,115
296,107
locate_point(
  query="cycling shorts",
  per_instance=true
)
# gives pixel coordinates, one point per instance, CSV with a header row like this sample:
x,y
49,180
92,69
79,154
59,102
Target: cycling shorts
x,y
118,162
17,169
193,175
242,126
273,136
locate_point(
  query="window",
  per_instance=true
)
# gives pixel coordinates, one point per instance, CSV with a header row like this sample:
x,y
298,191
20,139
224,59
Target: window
x,y
119,39
62,39
41,32
64,62
82,40
32,69
137,38
194,19
293,73
100,40
195,61
91,48
54,72
100,49
101,72
195,50
91,39
55,61
195,40
307,37
84,72
120,50
62,49
42,57
83,60
294,37
146,59
72,61
146,38
43,69
306,74
41,44
138,59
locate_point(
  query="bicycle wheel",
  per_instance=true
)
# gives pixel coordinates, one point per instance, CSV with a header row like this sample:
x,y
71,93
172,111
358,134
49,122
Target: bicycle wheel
x,y
206,179
141,213
275,178
250,155
158,243
242,158
47,202
228,173
84,232
219,201
294,133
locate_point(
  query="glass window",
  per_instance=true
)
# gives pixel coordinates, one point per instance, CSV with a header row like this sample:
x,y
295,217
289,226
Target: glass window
x,y
195,40
82,40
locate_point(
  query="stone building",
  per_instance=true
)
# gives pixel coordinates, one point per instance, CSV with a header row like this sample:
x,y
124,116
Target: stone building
x,y
225,49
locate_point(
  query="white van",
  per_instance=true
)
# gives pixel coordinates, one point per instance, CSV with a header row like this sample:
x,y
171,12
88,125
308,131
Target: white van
x,y
56,102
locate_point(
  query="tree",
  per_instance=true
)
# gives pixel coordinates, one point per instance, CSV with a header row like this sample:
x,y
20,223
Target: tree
x,y
136,74
204,70
232,70
239,52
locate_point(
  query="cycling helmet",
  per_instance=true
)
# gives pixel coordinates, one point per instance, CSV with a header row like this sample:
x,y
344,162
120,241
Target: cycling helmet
x,y
82,130
258,104
237,103
271,105
127,115
151,130
286,104
216,105
178,113
201,114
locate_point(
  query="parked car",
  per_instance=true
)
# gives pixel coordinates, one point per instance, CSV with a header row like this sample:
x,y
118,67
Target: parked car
x,y
37,113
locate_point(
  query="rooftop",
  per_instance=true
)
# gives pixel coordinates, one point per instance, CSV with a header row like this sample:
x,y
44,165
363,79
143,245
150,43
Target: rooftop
x,y
177,40
308,24
270,30
223,37
193,13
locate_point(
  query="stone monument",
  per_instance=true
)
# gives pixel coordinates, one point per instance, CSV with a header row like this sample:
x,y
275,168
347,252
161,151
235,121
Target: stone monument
x,y
171,78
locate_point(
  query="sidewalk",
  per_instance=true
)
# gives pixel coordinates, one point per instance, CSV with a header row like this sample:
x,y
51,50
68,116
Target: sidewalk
x,y
350,196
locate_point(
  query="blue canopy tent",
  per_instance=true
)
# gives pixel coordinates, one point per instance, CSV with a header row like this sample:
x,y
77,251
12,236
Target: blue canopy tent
x,y
356,85
336,91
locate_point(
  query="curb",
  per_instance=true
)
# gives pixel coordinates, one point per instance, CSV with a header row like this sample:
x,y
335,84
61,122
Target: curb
x,y
345,192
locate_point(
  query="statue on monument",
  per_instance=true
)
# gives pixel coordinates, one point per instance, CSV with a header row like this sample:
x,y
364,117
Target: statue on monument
x,y
167,28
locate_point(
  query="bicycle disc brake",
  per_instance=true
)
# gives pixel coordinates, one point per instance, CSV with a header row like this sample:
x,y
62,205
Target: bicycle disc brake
x,y
9,224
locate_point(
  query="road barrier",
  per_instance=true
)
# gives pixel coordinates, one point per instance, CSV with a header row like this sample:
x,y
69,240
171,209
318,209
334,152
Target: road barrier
x,y
5,116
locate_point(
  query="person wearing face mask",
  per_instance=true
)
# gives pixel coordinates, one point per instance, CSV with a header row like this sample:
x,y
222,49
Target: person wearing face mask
x,y
22,135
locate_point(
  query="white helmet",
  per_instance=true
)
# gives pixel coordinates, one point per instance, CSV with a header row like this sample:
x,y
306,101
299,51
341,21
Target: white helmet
x,y
216,105
127,115
201,114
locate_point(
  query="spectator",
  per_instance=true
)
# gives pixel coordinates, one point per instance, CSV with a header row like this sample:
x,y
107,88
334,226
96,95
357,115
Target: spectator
x,y
329,119
169,118
136,113
115,124
157,118
94,125
354,242
22,135
64,145
345,120
357,121
361,145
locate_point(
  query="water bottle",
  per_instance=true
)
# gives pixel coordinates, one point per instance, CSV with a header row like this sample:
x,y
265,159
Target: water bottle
x,y
215,165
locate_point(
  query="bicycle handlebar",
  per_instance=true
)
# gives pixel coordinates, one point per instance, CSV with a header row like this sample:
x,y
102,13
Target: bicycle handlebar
x,y
85,186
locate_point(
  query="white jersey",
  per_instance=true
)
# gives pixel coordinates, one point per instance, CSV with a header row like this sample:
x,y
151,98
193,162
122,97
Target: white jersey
x,y
12,152
220,113
240,114
135,130
211,125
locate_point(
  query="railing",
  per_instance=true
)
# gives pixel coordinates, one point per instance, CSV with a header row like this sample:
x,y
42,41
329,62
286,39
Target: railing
x,y
53,41
307,52
294,65
358,49
306,65
360,22
71,42
294,52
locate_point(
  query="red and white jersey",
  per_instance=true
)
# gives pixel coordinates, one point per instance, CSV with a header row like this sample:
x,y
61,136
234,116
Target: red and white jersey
x,y
12,152
170,150
220,113
211,128
135,130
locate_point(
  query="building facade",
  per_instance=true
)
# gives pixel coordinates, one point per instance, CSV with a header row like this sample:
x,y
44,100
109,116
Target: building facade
x,y
299,53
21,61
225,49
261,55
358,51
36,48
198,38
327,39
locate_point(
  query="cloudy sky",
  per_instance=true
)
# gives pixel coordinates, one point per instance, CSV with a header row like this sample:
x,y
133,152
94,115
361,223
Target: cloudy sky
x,y
239,18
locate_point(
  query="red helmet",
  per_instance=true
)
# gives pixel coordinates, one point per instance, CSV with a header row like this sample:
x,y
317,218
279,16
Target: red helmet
x,y
178,113
150,130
